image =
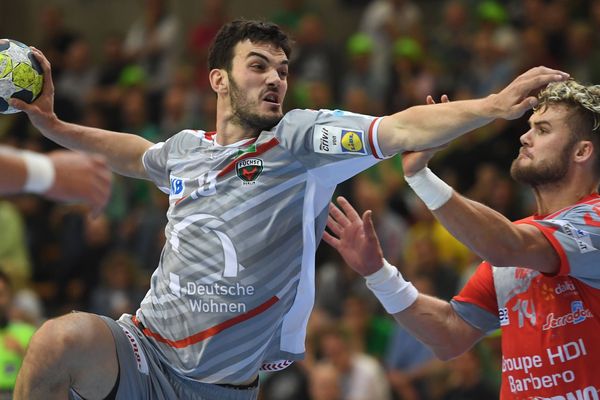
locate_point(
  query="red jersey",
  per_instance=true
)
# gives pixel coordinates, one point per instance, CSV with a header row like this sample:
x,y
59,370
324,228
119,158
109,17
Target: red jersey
x,y
550,323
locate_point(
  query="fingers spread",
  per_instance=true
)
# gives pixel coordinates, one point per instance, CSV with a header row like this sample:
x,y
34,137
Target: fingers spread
x,y
350,212
330,240
338,215
334,226
369,227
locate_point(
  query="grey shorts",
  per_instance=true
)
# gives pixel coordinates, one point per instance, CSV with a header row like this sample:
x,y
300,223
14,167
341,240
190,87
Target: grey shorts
x,y
143,376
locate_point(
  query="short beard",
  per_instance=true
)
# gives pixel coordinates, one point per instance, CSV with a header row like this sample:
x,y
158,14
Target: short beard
x,y
546,173
244,117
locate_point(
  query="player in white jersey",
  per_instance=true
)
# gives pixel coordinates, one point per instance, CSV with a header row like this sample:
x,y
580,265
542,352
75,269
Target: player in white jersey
x,y
248,205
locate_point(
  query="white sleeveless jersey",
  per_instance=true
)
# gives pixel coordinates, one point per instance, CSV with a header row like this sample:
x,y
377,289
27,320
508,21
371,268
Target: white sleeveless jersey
x,y
235,284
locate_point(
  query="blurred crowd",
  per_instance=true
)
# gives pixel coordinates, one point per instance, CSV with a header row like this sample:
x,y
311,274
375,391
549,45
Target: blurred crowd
x,y
152,81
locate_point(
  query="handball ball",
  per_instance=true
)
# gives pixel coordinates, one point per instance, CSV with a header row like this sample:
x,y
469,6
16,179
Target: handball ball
x,y
20,74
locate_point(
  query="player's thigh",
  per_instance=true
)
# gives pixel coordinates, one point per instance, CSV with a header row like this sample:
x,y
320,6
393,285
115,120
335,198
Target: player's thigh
x,y
88,352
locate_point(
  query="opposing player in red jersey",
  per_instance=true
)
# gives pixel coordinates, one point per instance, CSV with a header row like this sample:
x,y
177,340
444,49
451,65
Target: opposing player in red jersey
x,y
540,281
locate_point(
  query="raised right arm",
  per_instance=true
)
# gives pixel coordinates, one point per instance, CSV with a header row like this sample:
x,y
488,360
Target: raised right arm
x,y
122,152
433,321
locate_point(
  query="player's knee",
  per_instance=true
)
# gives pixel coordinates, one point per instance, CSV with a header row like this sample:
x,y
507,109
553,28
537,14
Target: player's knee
x,y
59,337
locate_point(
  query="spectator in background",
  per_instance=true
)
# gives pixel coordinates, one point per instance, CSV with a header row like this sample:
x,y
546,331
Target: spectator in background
x,y
83,241
152,44
384,21
55,37
14,255
391,227
580,51
450,251
290,384
410,364
316,58
290,14
136,114
424,261
361,377
325,382
412,77
357,80
181,103
594,61
77,80
450,46
120,290
369,332
556,17
107,94
534,49
491,67
14,338
214,15
466,380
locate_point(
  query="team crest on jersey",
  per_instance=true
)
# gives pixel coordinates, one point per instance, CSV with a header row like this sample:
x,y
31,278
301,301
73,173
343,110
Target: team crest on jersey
x,y
249,169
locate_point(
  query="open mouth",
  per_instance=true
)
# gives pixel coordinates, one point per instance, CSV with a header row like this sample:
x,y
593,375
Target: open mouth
x,y
272,98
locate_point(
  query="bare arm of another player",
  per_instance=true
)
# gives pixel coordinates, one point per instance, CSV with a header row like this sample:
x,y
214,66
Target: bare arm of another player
x,y
489,234
423,127
431,320
59,175
123,152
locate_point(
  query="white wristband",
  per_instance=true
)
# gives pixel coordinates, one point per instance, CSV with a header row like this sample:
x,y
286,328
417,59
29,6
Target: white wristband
x,y
40,172
432,190
393,292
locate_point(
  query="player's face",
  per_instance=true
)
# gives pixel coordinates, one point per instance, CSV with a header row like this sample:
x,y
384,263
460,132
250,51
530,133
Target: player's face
x,y
257,84
547,148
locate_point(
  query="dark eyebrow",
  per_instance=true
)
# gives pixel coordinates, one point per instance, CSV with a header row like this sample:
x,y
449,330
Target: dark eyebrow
x,y
254,53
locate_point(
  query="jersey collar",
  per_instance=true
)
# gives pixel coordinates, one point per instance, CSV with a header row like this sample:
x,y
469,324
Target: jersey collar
x,y
212,136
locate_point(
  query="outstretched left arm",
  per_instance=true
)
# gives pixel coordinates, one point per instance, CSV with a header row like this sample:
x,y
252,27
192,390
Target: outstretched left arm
x,y
423,127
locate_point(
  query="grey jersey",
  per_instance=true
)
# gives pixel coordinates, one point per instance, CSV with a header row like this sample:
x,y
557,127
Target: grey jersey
x,y
235,284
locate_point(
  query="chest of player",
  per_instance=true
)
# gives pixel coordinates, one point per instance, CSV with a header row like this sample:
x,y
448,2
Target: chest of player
x,y
549,330
529,300
213,175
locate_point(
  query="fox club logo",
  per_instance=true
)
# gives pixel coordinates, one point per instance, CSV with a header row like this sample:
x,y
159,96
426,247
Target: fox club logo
x,y
249,169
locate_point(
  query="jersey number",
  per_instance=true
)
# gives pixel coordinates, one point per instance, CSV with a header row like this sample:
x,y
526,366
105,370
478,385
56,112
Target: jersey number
x,y
522,308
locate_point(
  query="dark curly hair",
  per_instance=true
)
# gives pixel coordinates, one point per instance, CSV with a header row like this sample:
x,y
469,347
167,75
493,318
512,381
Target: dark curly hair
x,y
220,54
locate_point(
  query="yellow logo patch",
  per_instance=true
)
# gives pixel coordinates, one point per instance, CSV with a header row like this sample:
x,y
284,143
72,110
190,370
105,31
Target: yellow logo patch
x,y
352,141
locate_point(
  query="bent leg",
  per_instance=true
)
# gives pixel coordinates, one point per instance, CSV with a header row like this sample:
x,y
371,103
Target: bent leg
x,y
76,350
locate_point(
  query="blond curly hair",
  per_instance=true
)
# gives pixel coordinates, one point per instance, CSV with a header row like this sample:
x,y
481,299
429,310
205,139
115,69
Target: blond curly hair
x,y
574,94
